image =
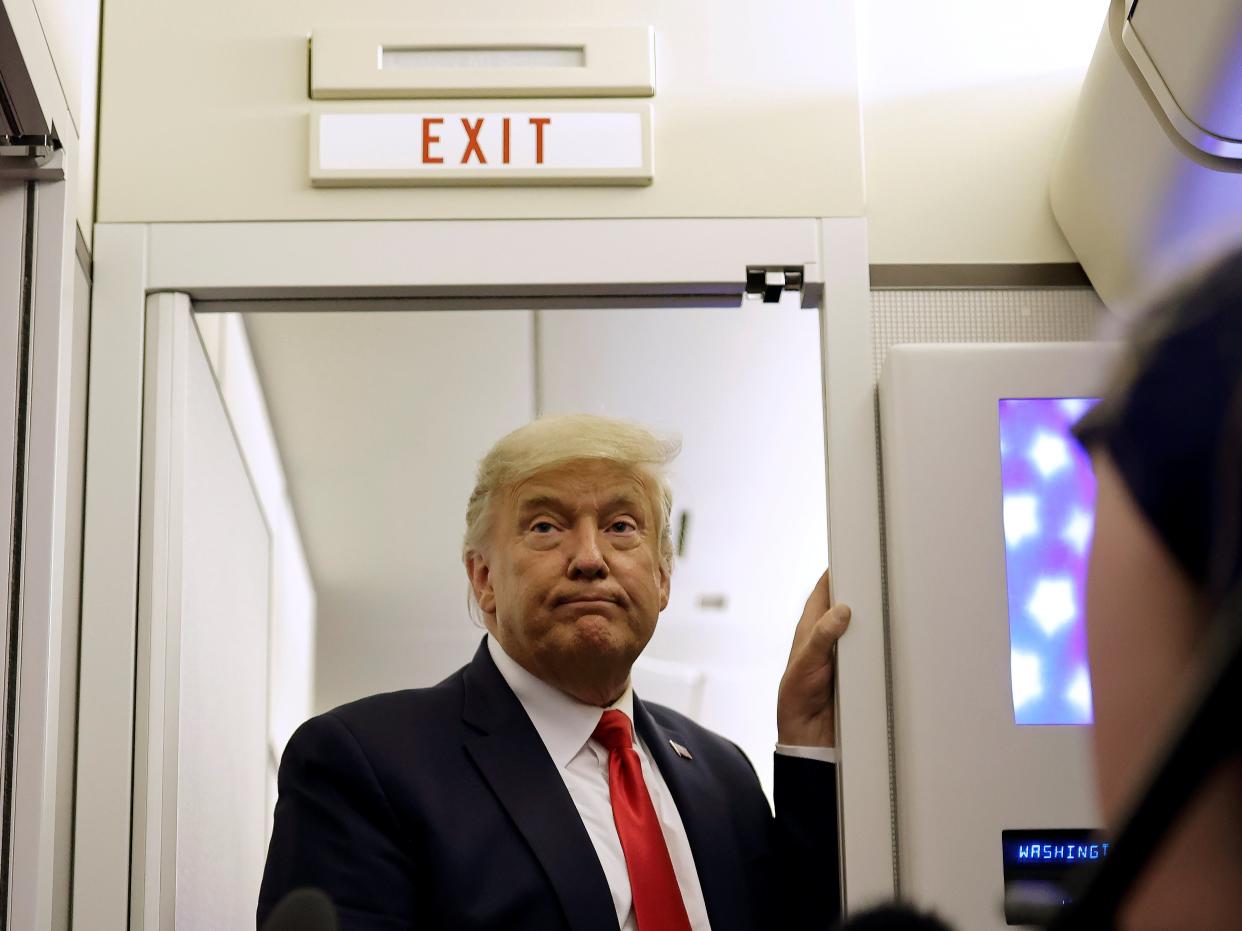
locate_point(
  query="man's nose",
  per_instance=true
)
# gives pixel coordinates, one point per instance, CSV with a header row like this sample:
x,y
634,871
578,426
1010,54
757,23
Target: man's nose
x,y
586,559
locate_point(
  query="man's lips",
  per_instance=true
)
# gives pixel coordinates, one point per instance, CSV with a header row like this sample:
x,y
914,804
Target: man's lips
x,y
588,602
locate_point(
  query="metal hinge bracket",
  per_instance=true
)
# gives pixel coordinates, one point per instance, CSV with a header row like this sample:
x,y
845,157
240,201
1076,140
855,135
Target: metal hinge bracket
x,y
31,158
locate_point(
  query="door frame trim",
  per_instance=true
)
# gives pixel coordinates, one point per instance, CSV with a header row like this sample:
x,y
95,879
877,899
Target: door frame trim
x,y
504,263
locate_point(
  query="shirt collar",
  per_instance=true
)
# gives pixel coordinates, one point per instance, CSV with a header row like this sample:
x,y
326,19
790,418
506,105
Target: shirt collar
x,y
564,723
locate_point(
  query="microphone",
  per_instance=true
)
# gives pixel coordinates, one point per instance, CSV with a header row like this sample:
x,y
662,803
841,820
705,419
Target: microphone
x,y
305,909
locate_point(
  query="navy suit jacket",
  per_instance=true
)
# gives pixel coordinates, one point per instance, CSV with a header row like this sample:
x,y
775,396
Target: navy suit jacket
x,y
440,808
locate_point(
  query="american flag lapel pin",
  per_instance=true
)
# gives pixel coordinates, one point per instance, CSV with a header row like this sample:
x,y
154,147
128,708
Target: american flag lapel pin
x,y
680,750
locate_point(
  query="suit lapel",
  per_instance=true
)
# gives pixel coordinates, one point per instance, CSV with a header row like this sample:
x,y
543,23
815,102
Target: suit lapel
x,y
513,760
704,811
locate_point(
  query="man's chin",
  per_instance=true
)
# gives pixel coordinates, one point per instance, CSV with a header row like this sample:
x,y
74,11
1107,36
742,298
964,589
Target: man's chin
x,y
595,642
590,630
592,660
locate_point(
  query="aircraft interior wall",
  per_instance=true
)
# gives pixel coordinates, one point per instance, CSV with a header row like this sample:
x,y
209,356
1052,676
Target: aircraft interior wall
x,y
388,264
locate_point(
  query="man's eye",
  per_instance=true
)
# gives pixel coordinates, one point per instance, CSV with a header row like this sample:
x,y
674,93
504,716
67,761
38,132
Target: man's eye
x,y
623,526
542,526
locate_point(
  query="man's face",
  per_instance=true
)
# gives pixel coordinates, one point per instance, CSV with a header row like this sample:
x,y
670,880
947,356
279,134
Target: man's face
x,y
571,583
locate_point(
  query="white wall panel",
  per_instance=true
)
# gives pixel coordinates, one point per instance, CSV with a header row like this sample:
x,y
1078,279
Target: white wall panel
x,y
222,748
292,678
211,333
382,418
965,105
201,775
227,347
247,410
291,672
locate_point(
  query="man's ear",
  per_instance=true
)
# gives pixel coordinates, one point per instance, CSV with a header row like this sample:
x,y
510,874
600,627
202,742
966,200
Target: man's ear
x,y
665,581
481,581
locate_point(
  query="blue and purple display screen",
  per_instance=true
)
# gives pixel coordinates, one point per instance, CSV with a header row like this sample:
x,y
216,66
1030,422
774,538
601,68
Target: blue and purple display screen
x,y
1048,503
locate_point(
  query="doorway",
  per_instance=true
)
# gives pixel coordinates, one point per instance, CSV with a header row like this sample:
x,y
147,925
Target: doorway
x,y
323,284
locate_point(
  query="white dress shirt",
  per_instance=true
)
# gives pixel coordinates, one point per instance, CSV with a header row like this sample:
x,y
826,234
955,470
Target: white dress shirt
x,y
566,725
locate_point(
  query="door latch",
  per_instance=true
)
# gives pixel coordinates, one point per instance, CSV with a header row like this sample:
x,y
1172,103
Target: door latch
x,y
768,282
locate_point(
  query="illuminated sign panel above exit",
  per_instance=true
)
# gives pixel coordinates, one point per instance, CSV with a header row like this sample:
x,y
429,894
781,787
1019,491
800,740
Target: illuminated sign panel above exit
x,y
602,145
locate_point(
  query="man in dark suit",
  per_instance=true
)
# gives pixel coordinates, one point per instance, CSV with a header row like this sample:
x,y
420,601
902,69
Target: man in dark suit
x,y
532,789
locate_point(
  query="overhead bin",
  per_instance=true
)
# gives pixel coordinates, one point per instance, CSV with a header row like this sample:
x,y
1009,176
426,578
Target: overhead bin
x,y
1149,182
1188,52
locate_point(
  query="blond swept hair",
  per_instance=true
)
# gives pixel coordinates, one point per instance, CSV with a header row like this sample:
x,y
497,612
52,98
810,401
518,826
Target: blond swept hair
x,y
557,440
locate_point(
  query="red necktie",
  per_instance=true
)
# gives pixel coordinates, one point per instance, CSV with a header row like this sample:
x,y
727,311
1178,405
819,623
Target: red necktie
x,y
657,899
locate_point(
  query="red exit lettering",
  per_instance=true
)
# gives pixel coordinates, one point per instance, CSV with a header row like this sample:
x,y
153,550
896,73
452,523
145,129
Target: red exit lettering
x,y
473,152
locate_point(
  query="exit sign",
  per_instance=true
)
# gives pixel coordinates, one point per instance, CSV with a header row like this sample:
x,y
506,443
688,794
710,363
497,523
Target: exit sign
x,y
597,145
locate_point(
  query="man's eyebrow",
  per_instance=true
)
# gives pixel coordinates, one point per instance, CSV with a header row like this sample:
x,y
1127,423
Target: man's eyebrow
x,y
623,501
540,503
552,503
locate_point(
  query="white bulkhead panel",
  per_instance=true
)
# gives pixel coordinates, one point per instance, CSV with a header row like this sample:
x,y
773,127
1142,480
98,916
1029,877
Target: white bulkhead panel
x,y
754,111
968,765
